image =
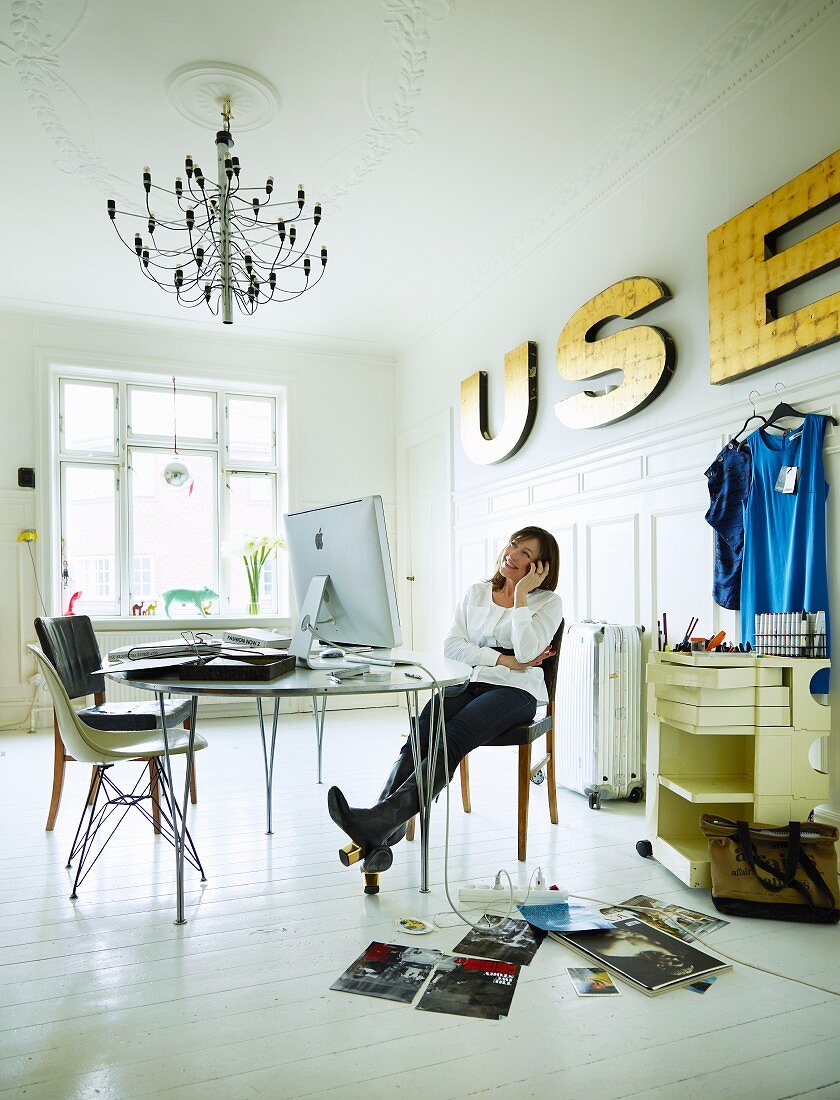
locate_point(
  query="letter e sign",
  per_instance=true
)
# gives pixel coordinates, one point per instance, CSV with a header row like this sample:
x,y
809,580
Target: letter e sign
x,y
751,265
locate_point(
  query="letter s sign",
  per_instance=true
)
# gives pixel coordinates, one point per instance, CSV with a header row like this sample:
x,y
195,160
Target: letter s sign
x,y
645,354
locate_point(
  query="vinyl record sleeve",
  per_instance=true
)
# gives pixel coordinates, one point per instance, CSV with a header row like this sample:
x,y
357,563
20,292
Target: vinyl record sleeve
x,y
648,958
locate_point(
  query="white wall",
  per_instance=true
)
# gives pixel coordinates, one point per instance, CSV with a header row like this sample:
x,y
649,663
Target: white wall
x,y
627,501
340,423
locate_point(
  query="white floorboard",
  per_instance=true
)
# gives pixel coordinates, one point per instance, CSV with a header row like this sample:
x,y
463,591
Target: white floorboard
x,y
106,997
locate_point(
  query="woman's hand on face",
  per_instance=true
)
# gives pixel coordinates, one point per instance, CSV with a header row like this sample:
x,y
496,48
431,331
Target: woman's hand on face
x,y
533,578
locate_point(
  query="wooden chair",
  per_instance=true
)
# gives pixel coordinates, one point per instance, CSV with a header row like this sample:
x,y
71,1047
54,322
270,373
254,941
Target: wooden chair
x,y
69,644
524,736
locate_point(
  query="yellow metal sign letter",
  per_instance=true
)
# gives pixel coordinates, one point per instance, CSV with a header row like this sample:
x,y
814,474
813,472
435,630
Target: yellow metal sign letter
x,y
520,408
645,354
750,267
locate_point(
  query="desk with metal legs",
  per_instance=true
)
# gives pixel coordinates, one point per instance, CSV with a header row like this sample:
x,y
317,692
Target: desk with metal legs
x,y
319,685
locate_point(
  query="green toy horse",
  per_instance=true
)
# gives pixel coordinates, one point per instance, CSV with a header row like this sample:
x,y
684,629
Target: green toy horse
x,y
193,596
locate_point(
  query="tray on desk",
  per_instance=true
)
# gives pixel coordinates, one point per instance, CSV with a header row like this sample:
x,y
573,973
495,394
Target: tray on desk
x,y
221,668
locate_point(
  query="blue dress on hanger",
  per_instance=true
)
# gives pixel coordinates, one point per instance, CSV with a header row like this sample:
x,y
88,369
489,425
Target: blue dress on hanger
x,y
785,564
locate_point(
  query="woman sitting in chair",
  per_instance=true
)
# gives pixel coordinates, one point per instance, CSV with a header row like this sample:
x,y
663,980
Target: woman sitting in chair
x,y
503,628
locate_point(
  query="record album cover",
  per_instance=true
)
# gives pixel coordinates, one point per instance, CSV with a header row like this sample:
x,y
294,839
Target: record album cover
x,y
482,988
646,957
509,940
388,970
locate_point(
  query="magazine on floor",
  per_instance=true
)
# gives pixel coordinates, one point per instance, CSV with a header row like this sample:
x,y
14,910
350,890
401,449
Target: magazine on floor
x,y
568,917
507,940
646,957
685,923
388,970
482,988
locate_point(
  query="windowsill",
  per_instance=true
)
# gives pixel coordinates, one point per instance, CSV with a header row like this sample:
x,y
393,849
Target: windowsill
x,y
209,622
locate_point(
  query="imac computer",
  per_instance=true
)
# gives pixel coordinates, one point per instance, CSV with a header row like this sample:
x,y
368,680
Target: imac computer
x,y
343,580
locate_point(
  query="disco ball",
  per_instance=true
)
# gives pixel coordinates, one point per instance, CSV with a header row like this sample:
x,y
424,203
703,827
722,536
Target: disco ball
x,y
175,474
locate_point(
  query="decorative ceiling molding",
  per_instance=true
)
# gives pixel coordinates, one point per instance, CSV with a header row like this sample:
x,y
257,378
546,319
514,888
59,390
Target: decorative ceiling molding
x,y
408,23
33,54
35,58
701,87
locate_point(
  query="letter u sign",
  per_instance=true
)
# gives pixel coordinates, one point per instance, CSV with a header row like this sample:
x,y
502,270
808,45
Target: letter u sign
x,y
520,408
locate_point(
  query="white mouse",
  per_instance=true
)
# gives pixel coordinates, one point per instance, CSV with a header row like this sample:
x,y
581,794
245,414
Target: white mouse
x,y
330,654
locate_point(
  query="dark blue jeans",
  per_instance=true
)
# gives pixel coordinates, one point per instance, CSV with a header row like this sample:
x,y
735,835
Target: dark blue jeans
x,y
475,716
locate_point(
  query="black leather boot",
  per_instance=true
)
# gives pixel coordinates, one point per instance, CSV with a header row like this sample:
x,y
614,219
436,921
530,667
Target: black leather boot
x,y
371,829
402,769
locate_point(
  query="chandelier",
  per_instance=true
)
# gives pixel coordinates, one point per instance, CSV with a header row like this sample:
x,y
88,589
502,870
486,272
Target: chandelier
x,y
226,243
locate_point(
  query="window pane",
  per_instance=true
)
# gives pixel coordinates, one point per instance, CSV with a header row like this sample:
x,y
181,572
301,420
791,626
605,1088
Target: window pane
x,y
250,430
173,533
251,509
150,414
142,578
88,418
90,539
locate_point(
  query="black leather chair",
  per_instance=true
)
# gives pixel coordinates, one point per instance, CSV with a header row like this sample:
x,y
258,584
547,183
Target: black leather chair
x,y
69,643
524,736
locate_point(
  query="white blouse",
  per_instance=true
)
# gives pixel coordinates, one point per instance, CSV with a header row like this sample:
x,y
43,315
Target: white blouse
x,y
480,627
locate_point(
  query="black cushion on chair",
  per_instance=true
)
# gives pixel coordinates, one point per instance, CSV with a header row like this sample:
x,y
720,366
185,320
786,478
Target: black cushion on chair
x,y
524,734
131,717
70,644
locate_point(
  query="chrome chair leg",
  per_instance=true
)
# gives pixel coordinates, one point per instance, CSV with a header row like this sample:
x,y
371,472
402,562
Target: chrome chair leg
x,y
90,810
167,812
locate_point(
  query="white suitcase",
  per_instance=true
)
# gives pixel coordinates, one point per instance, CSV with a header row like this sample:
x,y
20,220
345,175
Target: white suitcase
x,y
598,737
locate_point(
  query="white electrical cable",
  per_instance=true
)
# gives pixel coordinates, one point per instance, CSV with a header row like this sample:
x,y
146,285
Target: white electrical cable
x,y
440,737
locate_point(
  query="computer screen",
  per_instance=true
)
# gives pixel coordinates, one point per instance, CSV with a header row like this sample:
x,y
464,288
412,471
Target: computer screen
x,y
357,605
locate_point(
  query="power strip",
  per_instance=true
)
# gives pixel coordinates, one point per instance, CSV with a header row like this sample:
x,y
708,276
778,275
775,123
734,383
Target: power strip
x,y
483,894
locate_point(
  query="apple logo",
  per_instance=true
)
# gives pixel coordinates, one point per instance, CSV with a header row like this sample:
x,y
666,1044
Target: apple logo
x,y
319,540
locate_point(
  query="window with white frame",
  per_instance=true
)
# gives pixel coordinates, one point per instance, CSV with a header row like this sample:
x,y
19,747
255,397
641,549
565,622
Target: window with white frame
x,y
143,577
128,537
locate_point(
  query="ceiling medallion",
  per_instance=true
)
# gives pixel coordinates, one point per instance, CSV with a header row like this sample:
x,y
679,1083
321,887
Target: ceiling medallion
x,y
195,91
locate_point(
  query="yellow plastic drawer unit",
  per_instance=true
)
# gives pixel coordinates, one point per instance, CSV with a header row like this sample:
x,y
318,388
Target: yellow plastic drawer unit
x,y
738,736
723,716
725,697
715,677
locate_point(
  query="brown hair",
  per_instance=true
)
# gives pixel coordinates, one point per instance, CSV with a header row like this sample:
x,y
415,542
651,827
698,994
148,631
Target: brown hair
x,y
549,553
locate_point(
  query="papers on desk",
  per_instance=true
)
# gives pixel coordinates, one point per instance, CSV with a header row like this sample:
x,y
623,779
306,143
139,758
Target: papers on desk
x,y
173,647
162,660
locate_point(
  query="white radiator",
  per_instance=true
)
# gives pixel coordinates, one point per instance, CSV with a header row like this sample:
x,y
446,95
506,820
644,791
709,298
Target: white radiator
x,y
598,740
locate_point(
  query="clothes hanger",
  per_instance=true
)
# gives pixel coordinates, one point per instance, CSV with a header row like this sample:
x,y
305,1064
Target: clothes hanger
x,y
753,416
783,410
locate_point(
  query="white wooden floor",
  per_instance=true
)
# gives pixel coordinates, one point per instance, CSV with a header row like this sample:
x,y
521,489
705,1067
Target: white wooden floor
x,y
107,998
